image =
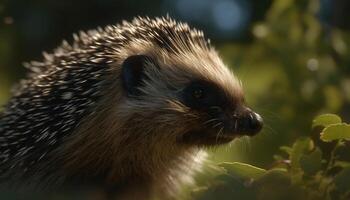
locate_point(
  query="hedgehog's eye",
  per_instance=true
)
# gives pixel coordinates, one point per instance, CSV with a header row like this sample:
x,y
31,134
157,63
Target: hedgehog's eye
x,y
198,93
201,95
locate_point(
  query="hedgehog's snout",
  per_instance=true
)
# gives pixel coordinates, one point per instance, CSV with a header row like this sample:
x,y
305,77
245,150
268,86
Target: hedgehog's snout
x,y
247,122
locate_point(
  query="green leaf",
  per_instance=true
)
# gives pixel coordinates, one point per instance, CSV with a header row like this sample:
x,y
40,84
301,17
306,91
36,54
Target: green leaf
x,y
275,176
336,132
326,120
342,180
286,149
312,162
300,147
243,170
279,7
342,164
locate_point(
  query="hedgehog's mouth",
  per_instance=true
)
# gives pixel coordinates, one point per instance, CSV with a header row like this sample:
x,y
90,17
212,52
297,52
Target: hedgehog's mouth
x,y
221,131
207,137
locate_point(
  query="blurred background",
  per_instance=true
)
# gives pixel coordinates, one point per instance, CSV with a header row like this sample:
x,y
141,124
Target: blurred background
x,y
293,56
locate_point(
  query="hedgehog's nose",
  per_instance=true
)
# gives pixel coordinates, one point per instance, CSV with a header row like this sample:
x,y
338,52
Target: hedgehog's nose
x,y
255,123
249,124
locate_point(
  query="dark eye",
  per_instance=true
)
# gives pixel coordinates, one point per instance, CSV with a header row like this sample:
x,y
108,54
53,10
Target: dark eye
x,y
198,93
202,95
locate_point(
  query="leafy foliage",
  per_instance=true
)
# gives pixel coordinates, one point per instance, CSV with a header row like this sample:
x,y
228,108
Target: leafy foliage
x,y
325,120
300,171
243,170
336,132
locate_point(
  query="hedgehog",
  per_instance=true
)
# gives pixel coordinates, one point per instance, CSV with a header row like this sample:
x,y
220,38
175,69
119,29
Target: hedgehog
x,y
129,108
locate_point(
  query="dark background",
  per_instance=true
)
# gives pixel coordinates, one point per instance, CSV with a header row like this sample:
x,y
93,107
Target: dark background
x,y
293,56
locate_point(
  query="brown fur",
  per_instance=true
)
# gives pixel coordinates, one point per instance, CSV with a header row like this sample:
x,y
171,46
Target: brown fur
x,y
139,139
124,143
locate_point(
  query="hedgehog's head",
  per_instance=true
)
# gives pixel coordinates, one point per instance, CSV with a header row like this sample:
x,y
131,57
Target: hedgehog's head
x,y
174,81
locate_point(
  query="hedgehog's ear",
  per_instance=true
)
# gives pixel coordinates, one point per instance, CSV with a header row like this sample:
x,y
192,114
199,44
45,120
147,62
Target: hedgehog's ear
x,y
133,73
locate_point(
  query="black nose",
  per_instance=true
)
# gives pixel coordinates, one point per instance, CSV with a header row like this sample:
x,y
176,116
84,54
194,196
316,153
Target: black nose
x,y
255,123
249,124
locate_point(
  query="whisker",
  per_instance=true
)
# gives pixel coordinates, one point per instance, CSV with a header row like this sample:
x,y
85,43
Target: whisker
x,y
217,125
219,132
271,130
210,120
246,144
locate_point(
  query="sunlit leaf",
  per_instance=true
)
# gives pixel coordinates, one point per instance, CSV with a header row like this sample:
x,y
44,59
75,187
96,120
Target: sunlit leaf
x,y
286,149
276,175
326,120
336,132
243,170
300,147
312,162
278,170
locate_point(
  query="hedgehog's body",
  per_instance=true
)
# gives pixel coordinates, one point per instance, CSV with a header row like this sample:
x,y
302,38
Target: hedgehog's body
x,y
116,109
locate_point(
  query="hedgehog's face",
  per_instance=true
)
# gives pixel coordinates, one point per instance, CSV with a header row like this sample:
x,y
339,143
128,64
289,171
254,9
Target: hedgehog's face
x,y
208,110
222,117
